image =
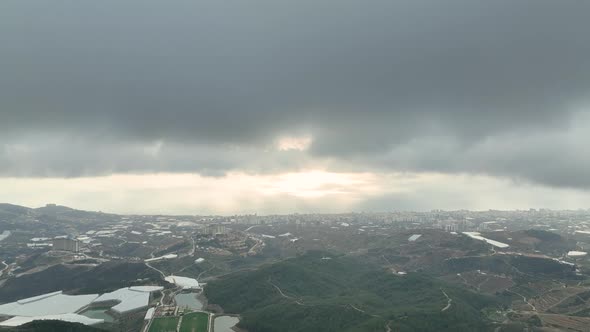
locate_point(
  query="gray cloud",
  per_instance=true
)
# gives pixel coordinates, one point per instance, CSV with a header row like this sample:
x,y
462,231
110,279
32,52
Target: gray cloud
x,y
490,87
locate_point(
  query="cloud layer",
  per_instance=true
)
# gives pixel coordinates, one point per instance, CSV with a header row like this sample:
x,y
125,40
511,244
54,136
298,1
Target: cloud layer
x,y
498,88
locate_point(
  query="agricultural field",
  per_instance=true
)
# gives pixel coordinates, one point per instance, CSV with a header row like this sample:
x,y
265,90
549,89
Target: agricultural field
x,y
164,324
555,297
195,322
486,283
536,289
575,305
569,323
495,284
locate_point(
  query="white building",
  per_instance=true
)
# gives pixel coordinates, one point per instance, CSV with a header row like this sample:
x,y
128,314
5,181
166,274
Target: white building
x,y
66,243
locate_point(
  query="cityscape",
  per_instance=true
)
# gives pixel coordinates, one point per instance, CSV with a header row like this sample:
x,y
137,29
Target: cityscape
x,y
162,265
295,166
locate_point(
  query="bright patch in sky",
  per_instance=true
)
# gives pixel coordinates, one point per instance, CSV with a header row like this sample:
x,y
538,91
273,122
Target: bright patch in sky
x,y
310,191
318,184
294,143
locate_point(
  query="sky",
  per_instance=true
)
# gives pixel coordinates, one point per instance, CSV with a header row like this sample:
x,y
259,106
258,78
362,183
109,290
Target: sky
x,y
224,107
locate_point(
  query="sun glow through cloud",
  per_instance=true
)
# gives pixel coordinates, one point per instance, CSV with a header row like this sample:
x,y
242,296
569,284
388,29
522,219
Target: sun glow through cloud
x,y
306,191
287,143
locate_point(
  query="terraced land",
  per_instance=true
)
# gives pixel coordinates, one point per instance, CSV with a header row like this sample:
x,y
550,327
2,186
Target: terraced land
x,y
555,297
571,323
484,282
576,305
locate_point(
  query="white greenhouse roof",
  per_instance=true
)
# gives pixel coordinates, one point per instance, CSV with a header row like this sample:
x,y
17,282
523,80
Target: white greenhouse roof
x,y
146,288
130,298
414,237
73,318
577,253
477,236
149,314
4,235
183,282
169,256
47,304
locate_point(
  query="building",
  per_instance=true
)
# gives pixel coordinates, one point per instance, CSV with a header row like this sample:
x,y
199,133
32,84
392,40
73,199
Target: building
x,y
66,243
215,229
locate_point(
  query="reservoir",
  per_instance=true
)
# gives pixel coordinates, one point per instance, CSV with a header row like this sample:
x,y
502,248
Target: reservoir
x,y
188,300
225,323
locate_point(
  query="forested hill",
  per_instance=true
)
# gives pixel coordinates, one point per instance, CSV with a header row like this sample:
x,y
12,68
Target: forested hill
x,y
322,292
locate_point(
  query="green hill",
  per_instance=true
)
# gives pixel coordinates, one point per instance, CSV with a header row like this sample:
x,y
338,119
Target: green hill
x,y
515,265
10,212
533,240
311,293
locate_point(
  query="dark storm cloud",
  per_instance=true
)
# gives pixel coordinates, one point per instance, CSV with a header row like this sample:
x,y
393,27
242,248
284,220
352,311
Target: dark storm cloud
x,y
371,81
67,157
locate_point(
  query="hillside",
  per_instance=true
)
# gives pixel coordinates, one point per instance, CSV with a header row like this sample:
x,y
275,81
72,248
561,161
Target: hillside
x,y
76,279
11,209
312,293
53,213
533,240
515,265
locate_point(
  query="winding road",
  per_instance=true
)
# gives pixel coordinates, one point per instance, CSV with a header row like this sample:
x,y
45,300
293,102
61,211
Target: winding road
x,y
153,268
4,269
297,301
449,301
524,299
